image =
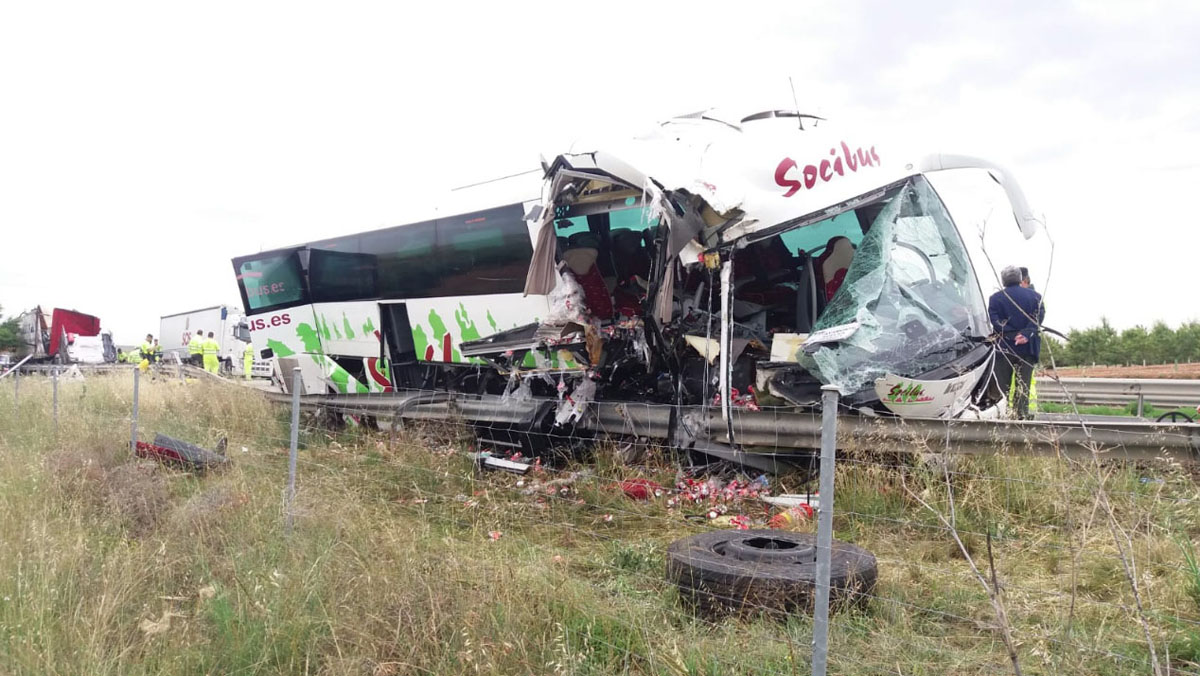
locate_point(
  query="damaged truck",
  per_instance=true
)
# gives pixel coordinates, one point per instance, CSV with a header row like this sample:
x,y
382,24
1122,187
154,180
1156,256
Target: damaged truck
x,y
717,266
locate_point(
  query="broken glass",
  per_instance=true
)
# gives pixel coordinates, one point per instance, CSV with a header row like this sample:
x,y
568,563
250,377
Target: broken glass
x,y
911,289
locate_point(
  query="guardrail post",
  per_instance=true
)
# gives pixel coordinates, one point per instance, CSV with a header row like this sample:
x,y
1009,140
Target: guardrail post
x,y
295,438
17,392
55,379
1141,404
829,409
133,421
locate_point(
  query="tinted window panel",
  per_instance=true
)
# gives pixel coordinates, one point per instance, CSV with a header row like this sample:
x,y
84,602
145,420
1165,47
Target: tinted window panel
x,y
271,281
336,276
483,252
404,259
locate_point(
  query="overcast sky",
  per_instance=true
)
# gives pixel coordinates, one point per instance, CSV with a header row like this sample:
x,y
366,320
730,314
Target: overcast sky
x,y
143,145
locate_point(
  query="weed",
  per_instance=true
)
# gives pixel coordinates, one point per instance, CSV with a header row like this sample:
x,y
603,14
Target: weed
x,y
115,566
1192,570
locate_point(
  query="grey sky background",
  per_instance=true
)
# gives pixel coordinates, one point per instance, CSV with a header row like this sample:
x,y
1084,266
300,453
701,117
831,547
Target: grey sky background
x,y
144,144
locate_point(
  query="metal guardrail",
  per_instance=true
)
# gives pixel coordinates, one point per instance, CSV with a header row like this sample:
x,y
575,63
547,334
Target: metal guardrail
x,y
1163,393
15,368
261,370
770,432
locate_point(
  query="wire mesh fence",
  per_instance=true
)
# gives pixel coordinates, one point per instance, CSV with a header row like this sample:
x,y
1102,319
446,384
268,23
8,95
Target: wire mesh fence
x,y
410,553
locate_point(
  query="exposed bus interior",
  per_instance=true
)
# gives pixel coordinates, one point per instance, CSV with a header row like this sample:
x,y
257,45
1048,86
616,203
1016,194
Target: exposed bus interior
x,y
880,286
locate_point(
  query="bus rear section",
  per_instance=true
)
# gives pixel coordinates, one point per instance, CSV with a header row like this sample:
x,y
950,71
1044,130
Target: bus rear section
x,y
390,308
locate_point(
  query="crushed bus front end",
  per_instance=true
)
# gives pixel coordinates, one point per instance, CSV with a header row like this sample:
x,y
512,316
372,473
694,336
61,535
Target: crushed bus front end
x,y
745,262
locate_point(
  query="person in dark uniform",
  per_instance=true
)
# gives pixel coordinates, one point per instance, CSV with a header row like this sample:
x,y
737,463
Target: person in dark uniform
x,y
1017,313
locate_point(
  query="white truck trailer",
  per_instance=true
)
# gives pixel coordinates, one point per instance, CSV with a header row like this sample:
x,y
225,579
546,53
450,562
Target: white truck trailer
x,y
227,323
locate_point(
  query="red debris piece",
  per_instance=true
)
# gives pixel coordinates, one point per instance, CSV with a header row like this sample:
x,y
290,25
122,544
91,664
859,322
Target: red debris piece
x,y
791,517
640,489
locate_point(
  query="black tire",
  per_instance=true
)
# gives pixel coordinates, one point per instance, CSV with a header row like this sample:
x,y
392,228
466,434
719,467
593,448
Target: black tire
x,y
764,571
1174,417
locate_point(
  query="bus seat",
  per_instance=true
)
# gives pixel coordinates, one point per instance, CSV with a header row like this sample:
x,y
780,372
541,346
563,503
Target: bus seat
x,y
580,258
833,263
629,254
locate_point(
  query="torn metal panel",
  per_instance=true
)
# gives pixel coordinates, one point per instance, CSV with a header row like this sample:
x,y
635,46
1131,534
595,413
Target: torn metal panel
x,y
912,397
748,220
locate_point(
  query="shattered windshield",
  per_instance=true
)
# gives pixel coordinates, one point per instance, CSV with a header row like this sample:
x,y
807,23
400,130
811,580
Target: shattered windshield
x,y
912,291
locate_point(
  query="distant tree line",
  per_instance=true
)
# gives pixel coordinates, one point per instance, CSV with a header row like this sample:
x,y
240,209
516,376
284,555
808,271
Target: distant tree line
x,y
1160,344
10,334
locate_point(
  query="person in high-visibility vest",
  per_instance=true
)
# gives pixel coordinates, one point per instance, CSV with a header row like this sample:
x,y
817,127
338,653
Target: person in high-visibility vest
x,y
248,359
157,351
196,349
211,348
121,356
148,348
1012,393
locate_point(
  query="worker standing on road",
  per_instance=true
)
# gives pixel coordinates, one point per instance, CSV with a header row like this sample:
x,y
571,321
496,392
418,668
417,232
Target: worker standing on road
x,y
196,349
1028,284
211,348
248,359
157,352
1017,313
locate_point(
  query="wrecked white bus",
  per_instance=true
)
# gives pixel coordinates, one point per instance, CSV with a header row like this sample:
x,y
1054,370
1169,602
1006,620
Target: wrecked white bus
x,y
717,262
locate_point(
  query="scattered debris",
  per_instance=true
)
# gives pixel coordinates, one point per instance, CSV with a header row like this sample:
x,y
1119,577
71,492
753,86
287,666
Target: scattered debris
x,y
159,626
737,521
641,489
181,454
485,460
792,499
713,491
563,485
495,535
791,517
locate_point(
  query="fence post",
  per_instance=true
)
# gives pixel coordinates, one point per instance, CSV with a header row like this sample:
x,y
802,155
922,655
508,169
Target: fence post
x,y
55,379
829,409
17,393
137,372
291,484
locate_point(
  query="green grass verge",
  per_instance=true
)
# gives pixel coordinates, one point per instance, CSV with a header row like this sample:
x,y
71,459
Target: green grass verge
x,y
115,566
1149,412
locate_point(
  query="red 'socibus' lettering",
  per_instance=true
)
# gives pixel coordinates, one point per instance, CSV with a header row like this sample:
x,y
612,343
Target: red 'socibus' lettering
x,y
825,170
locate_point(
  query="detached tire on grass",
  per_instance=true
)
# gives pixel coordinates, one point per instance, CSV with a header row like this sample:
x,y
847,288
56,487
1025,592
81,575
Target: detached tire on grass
x,y
764,571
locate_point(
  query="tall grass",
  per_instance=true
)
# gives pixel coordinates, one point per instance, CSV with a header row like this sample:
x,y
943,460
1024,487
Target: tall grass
x,y
112,565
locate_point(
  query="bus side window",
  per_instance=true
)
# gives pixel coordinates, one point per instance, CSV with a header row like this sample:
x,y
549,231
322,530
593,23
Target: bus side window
x,y
404,258
483,252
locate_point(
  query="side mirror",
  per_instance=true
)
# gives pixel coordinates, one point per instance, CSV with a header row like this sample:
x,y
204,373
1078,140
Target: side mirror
x,y
242,332
267,353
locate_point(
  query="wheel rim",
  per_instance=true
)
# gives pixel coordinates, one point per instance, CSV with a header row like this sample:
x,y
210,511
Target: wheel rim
x,y
767,549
